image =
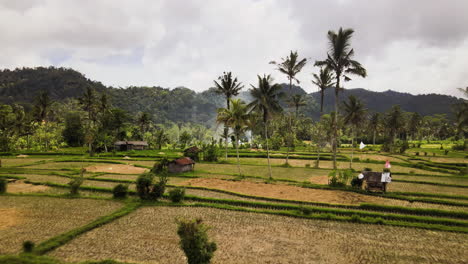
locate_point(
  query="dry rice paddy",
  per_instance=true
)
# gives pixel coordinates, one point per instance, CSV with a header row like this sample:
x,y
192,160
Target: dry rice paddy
x,y
149,236
37,219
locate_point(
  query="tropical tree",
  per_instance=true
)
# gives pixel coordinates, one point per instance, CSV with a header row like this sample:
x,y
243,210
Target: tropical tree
x,y
89,103
461,114
414,124
290,66
394,123
355,114
340,61
320,134
235,118
143,122
229,87
297,101
323,81
266,102
374,123
43,106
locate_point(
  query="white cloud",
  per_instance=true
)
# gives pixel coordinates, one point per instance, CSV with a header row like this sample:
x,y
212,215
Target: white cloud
x,y
406,46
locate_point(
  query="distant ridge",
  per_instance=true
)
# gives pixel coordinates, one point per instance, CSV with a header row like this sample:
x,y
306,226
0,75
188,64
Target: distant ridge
x,y
181,104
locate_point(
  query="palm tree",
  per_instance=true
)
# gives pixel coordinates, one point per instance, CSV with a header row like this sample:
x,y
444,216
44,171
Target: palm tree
x,y
266,101
237,119
43,106
89,103
354,115
339,60
290,66
374,123
229,87
323,80
297,101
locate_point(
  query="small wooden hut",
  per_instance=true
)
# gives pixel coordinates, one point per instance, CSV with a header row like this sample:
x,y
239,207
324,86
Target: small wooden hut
x,y
181,165
130,145
376,181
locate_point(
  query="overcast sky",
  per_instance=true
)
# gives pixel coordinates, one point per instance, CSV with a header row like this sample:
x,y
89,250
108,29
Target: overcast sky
x,y
417,46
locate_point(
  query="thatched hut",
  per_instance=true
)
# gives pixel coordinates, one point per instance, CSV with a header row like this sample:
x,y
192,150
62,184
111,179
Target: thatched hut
x,y
181,165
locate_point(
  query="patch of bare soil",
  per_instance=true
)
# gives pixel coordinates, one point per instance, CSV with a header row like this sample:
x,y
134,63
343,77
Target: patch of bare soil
x,y
22,187
286,192
319,179
10,217
22,156
116,168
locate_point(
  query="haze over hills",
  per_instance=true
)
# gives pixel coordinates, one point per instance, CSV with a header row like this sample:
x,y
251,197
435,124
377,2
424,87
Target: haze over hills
x,y
181,104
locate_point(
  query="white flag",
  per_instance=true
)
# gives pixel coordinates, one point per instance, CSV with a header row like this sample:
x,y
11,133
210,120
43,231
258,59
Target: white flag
x,y
362,145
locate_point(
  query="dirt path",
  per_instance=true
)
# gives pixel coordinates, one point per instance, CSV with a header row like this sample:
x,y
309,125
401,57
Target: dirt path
x,y
117,168
285,191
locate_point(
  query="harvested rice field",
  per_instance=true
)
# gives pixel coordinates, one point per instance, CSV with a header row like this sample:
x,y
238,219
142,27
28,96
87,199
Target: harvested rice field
x,y
37,219
149,236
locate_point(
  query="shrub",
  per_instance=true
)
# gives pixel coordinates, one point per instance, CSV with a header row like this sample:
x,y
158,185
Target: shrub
x,y
143,185
307,165
339,178
159,188
425,153
194,241
367,169
3,185
75,185
120,191
211,152
305,210
411,172
177,194
160,167
446,152
416,153
355,218
28,246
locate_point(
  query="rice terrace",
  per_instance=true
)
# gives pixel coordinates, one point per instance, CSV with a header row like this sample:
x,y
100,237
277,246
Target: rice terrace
x,y
288,166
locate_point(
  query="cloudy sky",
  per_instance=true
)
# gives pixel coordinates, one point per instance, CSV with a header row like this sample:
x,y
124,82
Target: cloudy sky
x,y
418,46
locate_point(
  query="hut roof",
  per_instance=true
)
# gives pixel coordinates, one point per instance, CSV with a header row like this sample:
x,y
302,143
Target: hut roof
x,y
138,143
183,161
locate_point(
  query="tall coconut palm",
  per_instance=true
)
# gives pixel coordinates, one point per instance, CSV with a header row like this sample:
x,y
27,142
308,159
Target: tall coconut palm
x,y
228,87
339,60
266,102
143,122
355,114
297,101
235,118
290,66
323,81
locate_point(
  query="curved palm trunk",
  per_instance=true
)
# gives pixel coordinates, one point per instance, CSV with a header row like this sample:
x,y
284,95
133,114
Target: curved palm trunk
x,y
268,150
373,139
237,152
352,149
290,123
335,129
321,101
226,132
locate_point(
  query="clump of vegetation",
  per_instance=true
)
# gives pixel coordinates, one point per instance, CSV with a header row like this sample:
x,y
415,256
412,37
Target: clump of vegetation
x,y
3,185
120,191
194,241
367,169
28,246
147,190
211,152
176,195
305,210
307,165
356,183
339,178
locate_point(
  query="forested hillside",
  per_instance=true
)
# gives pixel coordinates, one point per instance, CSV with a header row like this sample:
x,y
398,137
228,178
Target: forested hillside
x,y
21,86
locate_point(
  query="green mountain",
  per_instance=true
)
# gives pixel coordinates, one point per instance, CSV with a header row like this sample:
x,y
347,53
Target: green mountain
x,y
181,104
